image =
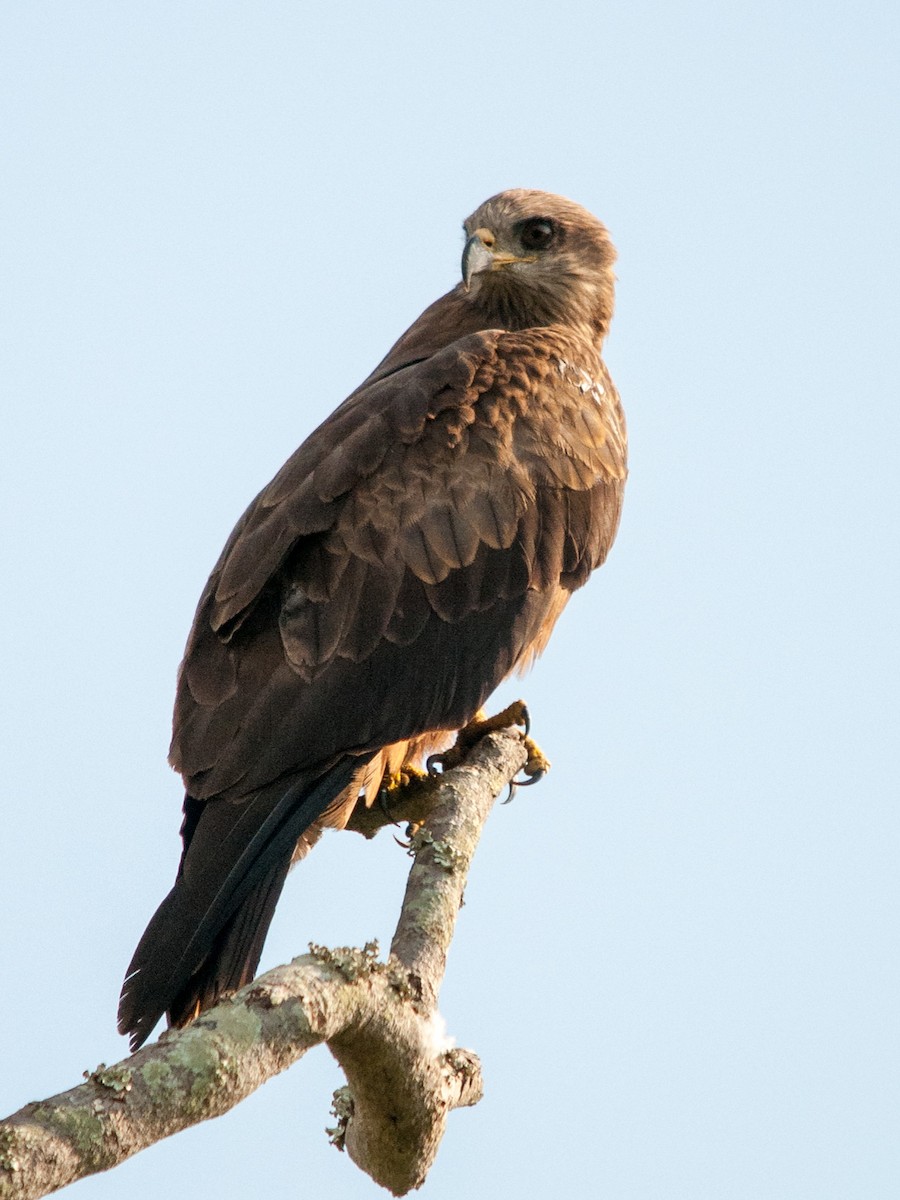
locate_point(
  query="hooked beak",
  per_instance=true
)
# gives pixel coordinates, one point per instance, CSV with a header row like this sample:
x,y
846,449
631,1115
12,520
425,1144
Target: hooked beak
x,y
477,257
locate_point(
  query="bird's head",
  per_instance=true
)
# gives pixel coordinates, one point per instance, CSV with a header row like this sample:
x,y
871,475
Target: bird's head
x,y
532,258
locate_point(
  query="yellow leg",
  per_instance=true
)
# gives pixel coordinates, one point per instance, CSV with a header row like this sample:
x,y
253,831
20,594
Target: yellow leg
x,y
408,776
516,714
538,763
401,794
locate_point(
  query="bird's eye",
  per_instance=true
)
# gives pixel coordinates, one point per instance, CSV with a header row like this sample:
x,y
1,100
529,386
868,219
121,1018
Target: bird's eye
x,y
537,234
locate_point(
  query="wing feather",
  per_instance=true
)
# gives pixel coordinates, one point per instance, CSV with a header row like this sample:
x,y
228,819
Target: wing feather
x,y
417,548
382,587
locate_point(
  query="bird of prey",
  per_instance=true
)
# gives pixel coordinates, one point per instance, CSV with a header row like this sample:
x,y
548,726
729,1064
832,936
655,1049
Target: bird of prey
x,y
415,550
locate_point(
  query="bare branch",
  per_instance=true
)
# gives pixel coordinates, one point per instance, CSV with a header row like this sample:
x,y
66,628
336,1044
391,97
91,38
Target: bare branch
x,y
379,1020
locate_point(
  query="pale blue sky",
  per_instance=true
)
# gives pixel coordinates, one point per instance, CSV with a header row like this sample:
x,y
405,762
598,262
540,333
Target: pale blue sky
x,y
678,958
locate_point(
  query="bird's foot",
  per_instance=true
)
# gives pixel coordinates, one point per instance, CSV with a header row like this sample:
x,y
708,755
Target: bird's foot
x,y
400,785
536,767
516,714
408,784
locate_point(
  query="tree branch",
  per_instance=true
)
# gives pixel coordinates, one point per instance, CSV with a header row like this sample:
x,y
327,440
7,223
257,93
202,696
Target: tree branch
x,y
379,1019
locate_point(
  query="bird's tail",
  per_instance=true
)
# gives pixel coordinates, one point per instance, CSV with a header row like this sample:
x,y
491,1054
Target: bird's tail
x,y
207,935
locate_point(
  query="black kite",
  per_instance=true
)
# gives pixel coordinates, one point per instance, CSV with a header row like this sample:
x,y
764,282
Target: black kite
x,y
415,550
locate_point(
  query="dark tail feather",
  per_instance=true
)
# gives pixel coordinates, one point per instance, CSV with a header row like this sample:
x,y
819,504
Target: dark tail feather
x,y
235,954
208,933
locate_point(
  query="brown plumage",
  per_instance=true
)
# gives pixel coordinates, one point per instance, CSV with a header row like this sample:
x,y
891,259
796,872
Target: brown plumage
x,y
416,549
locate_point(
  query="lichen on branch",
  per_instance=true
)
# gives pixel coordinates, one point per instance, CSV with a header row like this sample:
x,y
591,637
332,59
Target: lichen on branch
x,y
379,1019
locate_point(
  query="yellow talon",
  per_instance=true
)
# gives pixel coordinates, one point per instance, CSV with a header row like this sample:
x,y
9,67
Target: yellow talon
x,y
411,830
398,787
397,781
480,726
538,763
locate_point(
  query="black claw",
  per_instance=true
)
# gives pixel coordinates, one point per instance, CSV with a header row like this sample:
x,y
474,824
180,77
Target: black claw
x,y
535,778
512,792
526,719
433,762
411,831
385,807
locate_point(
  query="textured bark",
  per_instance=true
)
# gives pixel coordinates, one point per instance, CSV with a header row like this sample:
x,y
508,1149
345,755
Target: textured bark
x,y
379,1019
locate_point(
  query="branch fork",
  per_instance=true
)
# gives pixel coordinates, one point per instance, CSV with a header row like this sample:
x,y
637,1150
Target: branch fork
x,y
379,1019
